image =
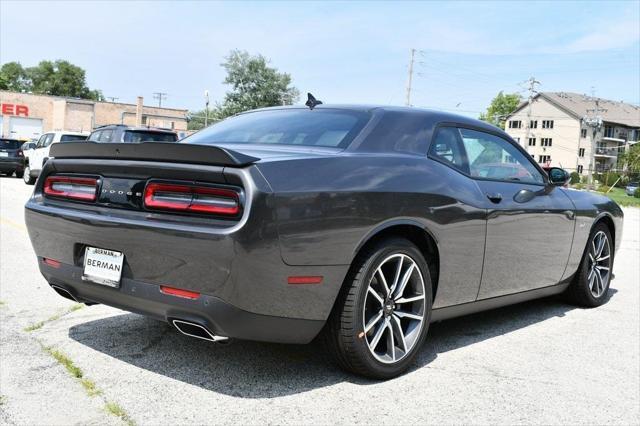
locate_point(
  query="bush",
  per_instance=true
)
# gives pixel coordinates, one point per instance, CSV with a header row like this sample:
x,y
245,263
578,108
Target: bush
x,y
579,186
575,178
636,193
603,188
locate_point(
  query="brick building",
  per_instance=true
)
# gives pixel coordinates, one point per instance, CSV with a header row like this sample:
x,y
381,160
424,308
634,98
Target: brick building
x,y
26,116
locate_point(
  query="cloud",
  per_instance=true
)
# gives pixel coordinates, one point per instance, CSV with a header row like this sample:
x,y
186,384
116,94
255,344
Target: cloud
x,y
623,34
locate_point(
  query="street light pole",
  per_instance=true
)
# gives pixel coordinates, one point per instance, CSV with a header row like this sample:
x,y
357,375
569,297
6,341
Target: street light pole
x,y
206,108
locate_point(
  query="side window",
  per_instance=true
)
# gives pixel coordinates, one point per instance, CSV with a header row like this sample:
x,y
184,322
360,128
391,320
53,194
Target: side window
x,y
447,148
492,157
41,141
95,136
48,140
106,136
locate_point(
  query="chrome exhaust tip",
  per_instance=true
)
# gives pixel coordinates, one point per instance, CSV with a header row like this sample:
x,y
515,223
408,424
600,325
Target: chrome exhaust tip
x,y
64,292
198,331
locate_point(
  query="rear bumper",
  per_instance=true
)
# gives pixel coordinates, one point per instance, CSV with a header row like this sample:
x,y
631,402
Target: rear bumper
x,y
11,165
217,315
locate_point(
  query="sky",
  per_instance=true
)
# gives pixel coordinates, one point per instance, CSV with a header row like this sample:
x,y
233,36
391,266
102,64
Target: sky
x,y
342,52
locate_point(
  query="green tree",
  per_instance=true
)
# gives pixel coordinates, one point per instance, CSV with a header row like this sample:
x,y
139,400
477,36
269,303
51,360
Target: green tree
x,y
254,85
61,78
501,106
629,160
14,77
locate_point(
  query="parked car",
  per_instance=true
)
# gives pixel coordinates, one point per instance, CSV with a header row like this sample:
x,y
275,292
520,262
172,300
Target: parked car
x,y
632,187
127,134
11,157
41,152
359,224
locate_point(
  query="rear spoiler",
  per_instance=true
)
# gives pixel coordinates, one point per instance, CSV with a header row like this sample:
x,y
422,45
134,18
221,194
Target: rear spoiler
x,y
171,152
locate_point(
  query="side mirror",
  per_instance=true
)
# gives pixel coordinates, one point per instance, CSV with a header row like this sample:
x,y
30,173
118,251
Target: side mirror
x,y
558,176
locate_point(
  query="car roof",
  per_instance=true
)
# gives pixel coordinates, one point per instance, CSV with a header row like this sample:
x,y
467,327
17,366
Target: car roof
x,y
429,114
134,128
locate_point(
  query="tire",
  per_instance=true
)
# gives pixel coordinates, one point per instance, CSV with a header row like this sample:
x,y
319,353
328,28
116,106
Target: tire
x,y
590,285
386,353
19,175
28,179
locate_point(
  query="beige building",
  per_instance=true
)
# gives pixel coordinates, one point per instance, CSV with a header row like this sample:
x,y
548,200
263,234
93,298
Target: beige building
x,y
562,129
26,116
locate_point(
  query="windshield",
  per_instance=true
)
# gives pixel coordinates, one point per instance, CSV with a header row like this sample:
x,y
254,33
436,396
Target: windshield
x,y
71,138
326,128
148,136
9,144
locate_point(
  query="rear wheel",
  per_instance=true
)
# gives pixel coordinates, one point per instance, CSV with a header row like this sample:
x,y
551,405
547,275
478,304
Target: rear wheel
x,y
382,316
19,174
591,283
28,179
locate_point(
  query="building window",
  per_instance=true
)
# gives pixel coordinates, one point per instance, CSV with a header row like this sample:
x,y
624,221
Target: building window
x,y
545,141
583,133
144,120
581,152
580,169
547,124
515,124
542,159
533,124
608,131
532,141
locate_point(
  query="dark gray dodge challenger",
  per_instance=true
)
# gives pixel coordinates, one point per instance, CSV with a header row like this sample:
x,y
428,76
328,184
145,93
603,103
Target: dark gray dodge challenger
x,y
360,225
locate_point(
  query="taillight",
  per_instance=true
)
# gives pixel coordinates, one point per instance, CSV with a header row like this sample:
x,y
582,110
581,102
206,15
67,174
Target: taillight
x,y
75,188
191,198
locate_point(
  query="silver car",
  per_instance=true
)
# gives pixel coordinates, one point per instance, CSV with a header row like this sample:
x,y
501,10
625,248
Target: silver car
x,y
631,188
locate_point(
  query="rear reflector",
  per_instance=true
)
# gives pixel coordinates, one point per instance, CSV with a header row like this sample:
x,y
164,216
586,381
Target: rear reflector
x,y
51,262
179,292
305,280
75,188
191,198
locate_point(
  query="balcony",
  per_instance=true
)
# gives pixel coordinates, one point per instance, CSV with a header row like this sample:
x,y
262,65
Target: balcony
x,y
607,152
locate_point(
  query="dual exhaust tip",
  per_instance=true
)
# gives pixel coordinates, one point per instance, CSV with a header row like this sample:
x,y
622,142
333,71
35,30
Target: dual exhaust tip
x,y
192,329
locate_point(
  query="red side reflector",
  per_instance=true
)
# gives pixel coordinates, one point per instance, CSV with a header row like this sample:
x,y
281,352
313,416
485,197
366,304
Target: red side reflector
x,y
305,280
179,292
76,188
51,262
188,198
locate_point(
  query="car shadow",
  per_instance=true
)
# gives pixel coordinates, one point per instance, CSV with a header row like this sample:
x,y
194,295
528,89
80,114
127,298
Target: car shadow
x,y
262,370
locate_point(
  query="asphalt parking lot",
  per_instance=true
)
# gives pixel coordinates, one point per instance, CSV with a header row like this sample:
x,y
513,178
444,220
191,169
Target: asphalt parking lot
x,y
540,362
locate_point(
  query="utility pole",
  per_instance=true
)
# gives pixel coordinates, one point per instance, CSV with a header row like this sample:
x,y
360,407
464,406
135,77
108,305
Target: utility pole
x,y
206,108
410,80
594,120
160,96
532,89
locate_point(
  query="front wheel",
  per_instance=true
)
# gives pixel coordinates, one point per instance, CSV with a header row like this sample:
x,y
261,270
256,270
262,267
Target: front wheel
x,y
591,283
28,179
382,316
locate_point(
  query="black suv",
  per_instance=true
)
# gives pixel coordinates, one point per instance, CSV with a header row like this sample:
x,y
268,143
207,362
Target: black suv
x,y
11,157
120,133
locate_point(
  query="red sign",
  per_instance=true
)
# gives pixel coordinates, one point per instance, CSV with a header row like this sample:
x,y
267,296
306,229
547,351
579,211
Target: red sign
x,y
13,109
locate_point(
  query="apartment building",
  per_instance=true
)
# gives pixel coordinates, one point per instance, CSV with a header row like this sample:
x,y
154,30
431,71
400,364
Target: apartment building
x,y
555,130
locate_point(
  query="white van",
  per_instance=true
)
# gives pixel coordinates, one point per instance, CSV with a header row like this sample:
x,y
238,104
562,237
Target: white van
x,y
40,154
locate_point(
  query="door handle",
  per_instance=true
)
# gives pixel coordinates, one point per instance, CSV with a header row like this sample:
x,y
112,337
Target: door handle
x,y
495,197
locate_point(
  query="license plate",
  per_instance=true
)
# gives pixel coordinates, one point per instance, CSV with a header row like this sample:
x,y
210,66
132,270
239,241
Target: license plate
x,y
4,154
102,266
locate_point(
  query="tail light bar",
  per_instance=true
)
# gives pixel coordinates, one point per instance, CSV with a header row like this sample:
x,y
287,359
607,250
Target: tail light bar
x,y
71,187
192,199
